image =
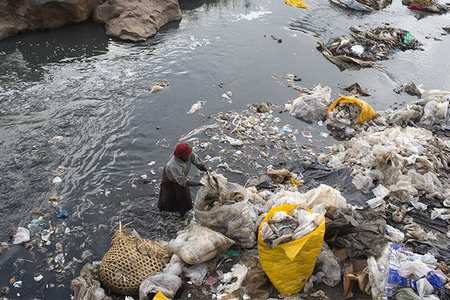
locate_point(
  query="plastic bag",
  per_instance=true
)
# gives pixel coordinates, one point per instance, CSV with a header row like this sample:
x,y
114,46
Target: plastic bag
x,y
406,269
289,265
87,286
367,112
312,107
232,220
434,112
317,200
329,268
167,284
22,235
203,244
175,266
196,273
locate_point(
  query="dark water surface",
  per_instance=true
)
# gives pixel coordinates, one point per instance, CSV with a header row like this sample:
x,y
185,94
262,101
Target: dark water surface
x,y
73,97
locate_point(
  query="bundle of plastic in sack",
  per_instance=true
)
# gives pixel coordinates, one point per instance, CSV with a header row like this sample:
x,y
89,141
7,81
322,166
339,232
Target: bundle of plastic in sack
x,y
199,244
285,227
349,111
226,212
289,265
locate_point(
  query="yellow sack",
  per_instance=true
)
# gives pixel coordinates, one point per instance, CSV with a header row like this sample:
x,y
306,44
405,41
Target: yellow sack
x,y
289,265
160,296
367,112
296,3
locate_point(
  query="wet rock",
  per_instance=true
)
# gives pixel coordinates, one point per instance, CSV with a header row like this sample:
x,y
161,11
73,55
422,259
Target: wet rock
x,y
19,16
136,21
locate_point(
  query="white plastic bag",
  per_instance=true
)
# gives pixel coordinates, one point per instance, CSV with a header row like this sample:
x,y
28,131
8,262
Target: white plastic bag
x,y
167,284
203,245
312,107
22,235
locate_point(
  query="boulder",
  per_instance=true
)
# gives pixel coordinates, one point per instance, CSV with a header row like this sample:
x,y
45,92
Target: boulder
x,y
136,21
20,15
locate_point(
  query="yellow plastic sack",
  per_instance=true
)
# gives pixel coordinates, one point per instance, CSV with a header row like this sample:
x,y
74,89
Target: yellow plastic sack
x,y
367,112
296,3
160,296
289,265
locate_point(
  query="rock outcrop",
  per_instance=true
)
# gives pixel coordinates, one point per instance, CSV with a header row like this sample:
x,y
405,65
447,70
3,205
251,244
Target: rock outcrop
x,y
21,15
136,21
129,20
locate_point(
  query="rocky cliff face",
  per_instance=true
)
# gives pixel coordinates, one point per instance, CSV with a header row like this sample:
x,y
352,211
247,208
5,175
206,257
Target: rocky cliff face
x,y
130,20
20,15
136,20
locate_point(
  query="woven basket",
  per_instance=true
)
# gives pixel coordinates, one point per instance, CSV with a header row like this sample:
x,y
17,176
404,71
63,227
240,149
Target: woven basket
x,y
129,261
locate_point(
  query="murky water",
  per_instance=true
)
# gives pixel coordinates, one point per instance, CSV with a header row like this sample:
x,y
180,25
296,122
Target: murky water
x,y
73,97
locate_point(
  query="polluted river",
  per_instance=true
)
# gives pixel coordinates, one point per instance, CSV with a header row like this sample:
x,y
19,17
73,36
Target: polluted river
x,y
83,139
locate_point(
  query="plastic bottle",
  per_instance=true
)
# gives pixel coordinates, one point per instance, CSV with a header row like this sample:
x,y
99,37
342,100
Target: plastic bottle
x,y
407,38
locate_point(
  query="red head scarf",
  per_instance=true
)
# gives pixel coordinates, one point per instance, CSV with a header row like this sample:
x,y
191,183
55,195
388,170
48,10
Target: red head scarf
x,y
182,150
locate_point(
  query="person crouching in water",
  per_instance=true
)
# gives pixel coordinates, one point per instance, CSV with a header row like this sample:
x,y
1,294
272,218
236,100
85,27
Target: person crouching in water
x,y
175,194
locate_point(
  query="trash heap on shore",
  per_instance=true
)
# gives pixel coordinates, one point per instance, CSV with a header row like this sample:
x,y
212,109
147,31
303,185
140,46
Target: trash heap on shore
x,y
379,231
273,237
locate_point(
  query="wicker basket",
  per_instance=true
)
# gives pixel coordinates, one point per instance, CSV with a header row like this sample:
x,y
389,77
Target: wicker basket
x,y
129,261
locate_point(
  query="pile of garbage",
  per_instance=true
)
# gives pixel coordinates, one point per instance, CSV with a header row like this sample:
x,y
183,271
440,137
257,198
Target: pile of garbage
x,y
364,48
363,5
272,236
408,161
430,6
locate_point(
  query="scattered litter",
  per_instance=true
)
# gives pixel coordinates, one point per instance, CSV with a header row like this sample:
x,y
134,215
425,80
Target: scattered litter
x,y
63,214
296,3
38,277
307,134
21,235
158,87
355,90
196,106
36,223
57,179
211,280
162,143
53,197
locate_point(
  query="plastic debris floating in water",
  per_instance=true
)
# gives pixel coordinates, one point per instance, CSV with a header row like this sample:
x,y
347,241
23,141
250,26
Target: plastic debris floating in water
x,y
196,106
296,3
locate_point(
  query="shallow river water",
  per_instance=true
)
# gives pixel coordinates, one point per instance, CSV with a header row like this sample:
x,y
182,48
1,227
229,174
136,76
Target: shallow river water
x,y
73,97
